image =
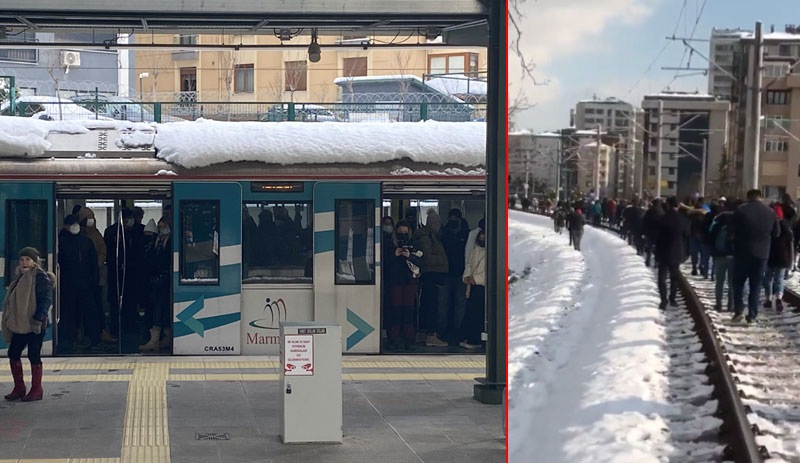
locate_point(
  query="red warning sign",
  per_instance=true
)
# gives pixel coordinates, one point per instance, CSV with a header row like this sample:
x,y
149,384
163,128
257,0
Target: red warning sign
x,y
298,355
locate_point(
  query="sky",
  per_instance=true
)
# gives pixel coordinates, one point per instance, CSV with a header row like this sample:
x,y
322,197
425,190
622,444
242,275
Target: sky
x,y
604,48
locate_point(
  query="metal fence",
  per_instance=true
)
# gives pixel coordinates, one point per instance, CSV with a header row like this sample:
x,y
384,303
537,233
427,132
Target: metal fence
x,y
123,109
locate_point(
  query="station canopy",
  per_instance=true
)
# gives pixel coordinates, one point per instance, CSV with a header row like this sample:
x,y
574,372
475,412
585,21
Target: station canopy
x,y
457,22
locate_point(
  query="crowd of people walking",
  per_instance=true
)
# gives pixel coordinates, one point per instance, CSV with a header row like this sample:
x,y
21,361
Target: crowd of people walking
x,y
744,245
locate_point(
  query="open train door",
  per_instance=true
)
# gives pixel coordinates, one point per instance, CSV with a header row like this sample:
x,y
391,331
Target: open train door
x,y
207,268
26,219
347,261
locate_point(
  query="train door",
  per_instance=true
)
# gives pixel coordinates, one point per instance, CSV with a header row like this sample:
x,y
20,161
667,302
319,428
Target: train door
x,y
26,217
347,261
207,278
116,313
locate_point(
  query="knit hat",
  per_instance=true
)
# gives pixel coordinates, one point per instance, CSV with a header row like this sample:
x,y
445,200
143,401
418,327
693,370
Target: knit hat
x,y
151,227
70,219
29,252
455,212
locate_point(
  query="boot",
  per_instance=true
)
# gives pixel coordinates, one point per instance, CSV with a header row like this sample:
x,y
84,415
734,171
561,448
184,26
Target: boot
x,y
166,343
152,344
36,384
106,337
19,381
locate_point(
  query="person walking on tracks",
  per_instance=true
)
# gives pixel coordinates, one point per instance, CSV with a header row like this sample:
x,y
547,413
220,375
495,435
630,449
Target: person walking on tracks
x,y
575,223
720,244
754,227
671,250
780,258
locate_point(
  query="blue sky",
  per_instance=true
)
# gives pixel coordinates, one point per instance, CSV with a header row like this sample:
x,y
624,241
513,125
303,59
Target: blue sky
x,y
603,47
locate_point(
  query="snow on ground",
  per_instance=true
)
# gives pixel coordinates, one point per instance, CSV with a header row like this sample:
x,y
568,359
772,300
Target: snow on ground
x,y
587,350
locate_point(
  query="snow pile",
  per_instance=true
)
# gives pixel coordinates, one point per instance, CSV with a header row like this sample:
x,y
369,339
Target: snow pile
x,y
458,85
449,171
207,142
165,172
587,350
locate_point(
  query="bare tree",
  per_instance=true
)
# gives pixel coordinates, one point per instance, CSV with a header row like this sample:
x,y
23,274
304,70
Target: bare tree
x,y
724,172
274,88
520,100
227,64
402,59
153,62
57,73
296,74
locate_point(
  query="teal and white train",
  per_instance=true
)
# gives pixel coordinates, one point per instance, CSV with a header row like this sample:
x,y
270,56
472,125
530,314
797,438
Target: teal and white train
x,y
271,221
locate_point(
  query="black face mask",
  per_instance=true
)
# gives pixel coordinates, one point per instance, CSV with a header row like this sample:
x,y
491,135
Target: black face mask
x,y
402,237
454,223
482,243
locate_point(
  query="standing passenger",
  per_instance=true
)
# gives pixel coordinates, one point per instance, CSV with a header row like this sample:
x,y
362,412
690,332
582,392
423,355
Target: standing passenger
x,y
77,261
721,246
754,226
89,230
25,312
780,257
159,260
575,223
475,279
433,280
673,236
401,273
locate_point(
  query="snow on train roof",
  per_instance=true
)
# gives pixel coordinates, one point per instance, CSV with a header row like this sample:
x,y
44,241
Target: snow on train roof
x,y
205,142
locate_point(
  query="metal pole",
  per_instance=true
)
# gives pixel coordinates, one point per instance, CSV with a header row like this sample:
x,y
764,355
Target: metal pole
x,y
704,170
597,163
490,390
756,107
659,146
559,156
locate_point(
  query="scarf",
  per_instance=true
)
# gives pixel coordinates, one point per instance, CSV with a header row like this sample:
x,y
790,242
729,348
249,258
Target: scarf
x,y
19,305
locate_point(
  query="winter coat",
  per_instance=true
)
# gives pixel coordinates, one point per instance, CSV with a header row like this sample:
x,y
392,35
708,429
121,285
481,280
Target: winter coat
x,y
722,219
696,220
470,246
158,259
575,222
672,239
396,270
780,249
77,261
434,257
100,249
455,246
476,267
20,310
754,226
651,221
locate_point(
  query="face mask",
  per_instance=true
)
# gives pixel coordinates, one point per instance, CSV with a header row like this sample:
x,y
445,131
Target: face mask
x,y
74,228
388,228
454,223
482,243
164,231
90,222
402,236
128,223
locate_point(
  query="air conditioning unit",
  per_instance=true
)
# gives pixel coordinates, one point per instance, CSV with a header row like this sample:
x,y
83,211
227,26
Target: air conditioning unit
x,y
70,58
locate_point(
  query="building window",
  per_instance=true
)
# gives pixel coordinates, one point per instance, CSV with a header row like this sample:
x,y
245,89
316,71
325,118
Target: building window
x,y
20,55
784,50
776,144
355,241
277,242
775,70
777,97
243,78
188,79
187,39
354,67
459,63
778,122
671,171
199,248
296,76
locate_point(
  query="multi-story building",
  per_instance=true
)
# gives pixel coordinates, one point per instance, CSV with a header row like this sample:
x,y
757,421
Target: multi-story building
x,y
779,159
48,71
723,47
694,132
275,74
533,159
618,119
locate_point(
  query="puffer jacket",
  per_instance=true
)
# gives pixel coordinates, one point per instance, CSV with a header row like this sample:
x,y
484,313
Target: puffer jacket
x,y
434,257
476,267
780,249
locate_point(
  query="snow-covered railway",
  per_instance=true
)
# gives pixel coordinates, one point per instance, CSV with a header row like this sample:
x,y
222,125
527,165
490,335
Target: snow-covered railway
x,y
765,360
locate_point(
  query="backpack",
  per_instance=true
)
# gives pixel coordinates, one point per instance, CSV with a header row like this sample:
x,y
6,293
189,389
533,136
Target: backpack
x,y
722,243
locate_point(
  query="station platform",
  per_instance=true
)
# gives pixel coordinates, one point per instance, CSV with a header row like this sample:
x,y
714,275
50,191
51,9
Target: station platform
x,y
225,409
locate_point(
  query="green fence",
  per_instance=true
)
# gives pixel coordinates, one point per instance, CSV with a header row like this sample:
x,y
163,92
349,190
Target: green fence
x,y
95,106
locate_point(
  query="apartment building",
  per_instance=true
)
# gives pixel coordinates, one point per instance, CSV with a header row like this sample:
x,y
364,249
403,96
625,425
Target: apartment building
x,y
723,47
779,157
693,135
283,74
618,119
534,158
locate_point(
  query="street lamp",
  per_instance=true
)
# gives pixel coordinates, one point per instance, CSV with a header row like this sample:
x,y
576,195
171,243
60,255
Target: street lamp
x,y
142,75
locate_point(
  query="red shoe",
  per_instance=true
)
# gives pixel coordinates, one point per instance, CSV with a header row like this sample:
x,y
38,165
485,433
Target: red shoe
x,y
19,382
36,384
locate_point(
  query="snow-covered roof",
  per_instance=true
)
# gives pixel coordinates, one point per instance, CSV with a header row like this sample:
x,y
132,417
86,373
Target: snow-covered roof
x,y
665,95
386,78
548,135
205,142
458,85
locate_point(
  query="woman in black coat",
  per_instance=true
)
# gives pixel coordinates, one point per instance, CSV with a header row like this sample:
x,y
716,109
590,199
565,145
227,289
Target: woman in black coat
x,y
780,258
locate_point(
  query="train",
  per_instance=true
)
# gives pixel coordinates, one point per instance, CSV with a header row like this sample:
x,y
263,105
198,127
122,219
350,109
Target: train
x,y
226,189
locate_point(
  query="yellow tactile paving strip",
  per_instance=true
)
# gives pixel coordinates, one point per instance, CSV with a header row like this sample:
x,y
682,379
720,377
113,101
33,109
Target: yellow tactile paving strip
x,y
146,428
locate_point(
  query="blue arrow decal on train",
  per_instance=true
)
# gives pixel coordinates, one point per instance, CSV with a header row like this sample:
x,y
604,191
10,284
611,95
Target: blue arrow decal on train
x,y
363,329
187,316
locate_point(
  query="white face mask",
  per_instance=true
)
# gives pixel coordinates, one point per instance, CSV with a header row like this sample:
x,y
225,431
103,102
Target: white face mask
x,y
90,222
74,228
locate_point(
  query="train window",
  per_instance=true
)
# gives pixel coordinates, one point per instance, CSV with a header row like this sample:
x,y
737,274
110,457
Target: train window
x,y
26,225
355,241
199,259
277,242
